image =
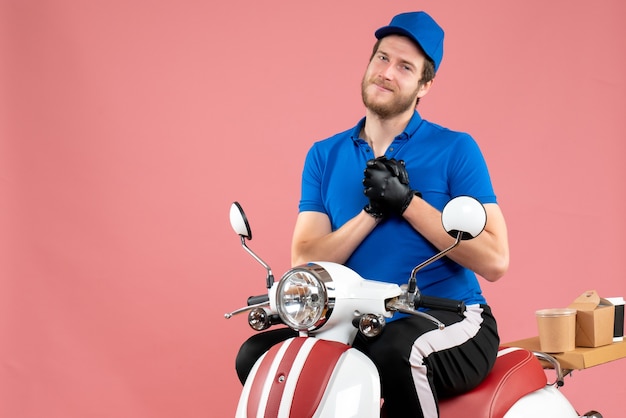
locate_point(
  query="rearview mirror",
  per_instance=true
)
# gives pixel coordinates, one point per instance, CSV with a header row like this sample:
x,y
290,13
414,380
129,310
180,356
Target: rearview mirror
x,y
464,214
239,222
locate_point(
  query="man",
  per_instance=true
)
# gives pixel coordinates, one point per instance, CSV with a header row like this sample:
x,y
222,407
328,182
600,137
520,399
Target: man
x,y
371,199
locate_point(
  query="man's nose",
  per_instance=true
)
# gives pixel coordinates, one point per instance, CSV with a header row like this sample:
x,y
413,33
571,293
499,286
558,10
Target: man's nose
x,y
388,72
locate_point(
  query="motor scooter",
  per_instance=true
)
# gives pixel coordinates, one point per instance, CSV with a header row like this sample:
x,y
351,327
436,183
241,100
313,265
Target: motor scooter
x,y
319,374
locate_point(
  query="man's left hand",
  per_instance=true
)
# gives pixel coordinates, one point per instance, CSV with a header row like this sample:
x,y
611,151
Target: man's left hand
x,y
386,182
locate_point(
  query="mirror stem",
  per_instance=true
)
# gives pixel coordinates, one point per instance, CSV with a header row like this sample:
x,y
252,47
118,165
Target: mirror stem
x,y
270,276
412,282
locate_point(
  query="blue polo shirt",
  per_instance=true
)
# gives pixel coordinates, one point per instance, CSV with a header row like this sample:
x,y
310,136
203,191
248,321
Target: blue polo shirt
x,y
441,164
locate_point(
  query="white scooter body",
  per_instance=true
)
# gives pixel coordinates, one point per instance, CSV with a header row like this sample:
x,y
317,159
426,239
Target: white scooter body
x,y
548,402
350,379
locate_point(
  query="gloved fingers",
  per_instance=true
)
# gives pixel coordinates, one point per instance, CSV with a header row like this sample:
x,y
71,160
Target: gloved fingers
x,y
392,166
403,176
374,193
376,175
376,164
398,169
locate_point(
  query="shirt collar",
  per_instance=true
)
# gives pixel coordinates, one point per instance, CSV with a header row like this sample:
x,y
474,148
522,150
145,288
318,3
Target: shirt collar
x,y
408,132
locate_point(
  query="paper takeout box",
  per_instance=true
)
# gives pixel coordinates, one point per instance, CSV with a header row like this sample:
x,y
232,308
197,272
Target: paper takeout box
x,y
594,320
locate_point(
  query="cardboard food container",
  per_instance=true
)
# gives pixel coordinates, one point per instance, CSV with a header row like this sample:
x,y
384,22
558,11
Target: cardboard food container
x,y
594,320
557,329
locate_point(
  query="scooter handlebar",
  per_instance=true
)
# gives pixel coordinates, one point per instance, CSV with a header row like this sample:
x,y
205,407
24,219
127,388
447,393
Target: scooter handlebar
x,y
433,302
255,300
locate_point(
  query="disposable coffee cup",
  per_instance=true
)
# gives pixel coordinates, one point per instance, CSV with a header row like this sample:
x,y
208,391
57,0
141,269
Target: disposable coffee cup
x,y
557,329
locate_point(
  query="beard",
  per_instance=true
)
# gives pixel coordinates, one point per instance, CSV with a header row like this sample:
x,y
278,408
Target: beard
x,y
388,109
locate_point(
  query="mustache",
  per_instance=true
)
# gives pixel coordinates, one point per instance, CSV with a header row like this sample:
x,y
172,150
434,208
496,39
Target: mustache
x,y
380,82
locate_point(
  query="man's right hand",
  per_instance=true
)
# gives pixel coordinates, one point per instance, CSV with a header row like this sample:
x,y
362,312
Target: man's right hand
x,y
387,186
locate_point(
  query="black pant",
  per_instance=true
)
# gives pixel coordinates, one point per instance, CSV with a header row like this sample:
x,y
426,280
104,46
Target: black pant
x,y
417,362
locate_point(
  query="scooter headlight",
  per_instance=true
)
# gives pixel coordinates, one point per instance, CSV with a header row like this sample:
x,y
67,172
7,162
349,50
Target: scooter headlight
x,y
302,297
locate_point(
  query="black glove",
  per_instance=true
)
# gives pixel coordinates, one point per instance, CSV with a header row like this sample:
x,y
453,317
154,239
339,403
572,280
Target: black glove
x,y
375,173
375,210
387,186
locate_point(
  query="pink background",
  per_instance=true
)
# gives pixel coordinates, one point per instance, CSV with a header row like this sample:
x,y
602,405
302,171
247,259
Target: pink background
x,y
128,127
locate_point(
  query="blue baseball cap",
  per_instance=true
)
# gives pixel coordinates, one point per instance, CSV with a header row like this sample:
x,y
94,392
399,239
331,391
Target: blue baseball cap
x,y
419,27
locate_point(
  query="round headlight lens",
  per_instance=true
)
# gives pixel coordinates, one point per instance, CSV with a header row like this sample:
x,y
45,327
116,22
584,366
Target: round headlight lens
x,y
302,299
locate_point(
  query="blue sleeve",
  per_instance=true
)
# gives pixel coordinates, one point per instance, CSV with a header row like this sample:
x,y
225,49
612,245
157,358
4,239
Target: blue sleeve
x,y
311,188
468,172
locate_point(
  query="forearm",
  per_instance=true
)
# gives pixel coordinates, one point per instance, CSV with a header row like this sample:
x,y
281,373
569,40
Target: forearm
x,y
487,255
312,241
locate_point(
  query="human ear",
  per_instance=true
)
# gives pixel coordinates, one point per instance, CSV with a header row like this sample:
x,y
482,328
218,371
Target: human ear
x,y
424,88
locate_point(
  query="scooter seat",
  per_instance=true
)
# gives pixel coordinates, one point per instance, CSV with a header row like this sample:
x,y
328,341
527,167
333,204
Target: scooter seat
x,y
515,374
